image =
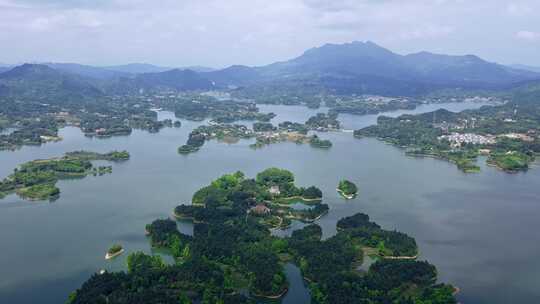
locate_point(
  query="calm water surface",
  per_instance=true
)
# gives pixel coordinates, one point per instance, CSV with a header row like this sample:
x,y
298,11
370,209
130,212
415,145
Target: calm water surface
x,y
479,230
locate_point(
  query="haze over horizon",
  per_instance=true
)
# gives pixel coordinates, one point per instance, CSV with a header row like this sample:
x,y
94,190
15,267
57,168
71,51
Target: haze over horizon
x,y
223,33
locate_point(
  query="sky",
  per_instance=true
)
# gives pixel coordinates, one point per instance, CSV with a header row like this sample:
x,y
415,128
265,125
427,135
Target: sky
x,y
219,33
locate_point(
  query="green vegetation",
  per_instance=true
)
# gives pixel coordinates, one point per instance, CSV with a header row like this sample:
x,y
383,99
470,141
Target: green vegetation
x,y
115,249
233,258
199,107
263,127
510,161
28,131
316,142
347,189
293,127
508,134
36,180
270,196
224,132
312,97
187,149
39,192
323,122
114,156
362,105
368,234
264,132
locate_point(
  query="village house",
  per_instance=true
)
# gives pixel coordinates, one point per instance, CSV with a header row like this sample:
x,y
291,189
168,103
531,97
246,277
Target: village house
x,y
260,209
274,190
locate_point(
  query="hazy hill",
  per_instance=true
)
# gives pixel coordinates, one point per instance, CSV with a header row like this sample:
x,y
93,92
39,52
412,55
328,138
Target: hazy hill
x,y
179,80
365,67
357,67
142,68
137,68
87,70
42,82
526,67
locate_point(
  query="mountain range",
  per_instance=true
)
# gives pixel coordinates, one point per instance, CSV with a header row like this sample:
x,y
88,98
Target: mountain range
x,y
357,67
41,82
526,67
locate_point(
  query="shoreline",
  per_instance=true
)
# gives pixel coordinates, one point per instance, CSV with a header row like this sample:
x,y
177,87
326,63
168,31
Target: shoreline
x,y
346,196
278,296
399,257
302,198
109,256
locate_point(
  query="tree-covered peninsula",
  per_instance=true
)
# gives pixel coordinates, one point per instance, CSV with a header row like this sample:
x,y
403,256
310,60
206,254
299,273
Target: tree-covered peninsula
x,y
232,257
508,134
36,180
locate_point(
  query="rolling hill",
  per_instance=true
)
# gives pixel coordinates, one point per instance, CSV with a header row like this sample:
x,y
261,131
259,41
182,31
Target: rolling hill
x,y
365,67
41,82
350,68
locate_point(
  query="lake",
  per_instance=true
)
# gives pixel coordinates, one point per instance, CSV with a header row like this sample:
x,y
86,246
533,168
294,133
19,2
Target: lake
x,y
478,229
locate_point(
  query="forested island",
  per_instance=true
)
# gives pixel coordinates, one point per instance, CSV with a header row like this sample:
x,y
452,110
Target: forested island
x,y
347,189
508,134
323,122
272,193
193,106
114,251
36,180
233,258
36,120
265,133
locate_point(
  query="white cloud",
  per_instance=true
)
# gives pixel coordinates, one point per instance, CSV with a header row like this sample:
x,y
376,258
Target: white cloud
x,y
426,32
253,32
518,9
528,35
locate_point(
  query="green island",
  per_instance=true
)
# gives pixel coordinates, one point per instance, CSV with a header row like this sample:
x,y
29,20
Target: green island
x,y
323,122
37,120
38,109
114,156
114,251
316,142
507,134
273,193
264,133
36,180
198,107
232,257
347,189
338,103
222,132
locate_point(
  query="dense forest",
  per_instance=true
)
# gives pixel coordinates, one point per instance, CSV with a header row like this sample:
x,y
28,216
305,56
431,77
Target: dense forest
x,y
36,180
233,258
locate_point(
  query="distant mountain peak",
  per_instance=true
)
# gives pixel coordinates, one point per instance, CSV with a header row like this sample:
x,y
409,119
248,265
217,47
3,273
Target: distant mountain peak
x,y
30,69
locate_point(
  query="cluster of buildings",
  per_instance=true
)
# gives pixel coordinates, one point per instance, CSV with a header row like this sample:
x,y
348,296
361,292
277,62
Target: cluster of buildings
x,y
461,124
458,139
519,136
261,209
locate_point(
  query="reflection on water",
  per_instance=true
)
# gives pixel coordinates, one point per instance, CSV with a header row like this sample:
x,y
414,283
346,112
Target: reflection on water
x,y
477,229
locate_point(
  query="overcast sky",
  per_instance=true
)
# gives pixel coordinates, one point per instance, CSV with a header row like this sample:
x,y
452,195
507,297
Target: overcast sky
x,y
257,32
